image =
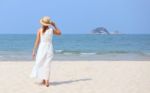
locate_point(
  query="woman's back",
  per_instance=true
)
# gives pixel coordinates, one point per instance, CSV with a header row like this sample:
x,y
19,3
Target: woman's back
x,y
46,37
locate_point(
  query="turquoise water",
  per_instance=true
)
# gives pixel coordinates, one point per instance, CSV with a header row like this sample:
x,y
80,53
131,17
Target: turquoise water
x,y
79,47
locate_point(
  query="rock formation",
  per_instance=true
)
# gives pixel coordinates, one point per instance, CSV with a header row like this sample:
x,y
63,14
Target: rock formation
x,y
100,30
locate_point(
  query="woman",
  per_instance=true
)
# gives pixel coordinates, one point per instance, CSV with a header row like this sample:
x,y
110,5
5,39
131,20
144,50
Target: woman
x,y
44,54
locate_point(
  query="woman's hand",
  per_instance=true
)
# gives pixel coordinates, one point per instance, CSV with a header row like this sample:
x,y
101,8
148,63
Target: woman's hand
x,y
53,24
56,30
33,55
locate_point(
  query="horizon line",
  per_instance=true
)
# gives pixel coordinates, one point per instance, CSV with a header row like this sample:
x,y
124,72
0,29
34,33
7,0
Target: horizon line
x,y
74,34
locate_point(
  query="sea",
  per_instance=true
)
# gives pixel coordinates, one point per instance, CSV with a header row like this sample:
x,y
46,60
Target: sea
x,y
89,47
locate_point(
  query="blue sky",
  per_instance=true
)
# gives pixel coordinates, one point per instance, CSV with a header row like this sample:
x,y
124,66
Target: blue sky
x,y
76,16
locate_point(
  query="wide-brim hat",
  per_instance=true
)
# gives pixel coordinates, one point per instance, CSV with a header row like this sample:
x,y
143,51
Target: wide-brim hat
x,y
46,21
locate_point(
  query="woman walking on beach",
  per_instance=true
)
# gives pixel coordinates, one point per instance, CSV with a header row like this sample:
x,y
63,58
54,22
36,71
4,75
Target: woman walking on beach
x,y
43,50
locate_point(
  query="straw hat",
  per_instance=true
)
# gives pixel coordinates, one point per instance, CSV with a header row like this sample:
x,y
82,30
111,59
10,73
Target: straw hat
x,y
45,21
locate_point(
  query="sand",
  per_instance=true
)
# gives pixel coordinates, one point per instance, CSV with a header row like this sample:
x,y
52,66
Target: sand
x,y
78,77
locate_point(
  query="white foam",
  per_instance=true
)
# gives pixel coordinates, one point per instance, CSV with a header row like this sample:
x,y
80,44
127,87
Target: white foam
x,y
58,51
87,53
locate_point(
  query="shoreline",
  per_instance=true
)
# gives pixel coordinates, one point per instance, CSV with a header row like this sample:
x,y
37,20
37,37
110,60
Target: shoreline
x,y
84,57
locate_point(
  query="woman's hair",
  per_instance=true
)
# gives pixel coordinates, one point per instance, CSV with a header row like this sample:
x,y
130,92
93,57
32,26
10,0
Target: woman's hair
x,y
44,28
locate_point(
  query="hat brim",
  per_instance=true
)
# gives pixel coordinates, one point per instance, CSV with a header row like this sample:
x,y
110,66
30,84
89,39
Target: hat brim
x,y
45,24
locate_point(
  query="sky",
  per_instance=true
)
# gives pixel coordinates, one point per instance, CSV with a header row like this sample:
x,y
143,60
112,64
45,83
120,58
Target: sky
x,y
75,16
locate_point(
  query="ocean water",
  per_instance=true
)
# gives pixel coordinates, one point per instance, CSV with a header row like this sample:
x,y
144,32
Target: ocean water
x,y
79,47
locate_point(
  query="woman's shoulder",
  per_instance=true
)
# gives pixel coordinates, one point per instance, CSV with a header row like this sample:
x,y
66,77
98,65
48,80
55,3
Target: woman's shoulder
x,y
39,31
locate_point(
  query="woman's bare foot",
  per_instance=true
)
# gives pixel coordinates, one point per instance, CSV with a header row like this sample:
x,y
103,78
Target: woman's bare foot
x,y
47,83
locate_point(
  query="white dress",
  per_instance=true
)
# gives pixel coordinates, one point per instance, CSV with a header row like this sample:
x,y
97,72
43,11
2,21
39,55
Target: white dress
x,y
41,68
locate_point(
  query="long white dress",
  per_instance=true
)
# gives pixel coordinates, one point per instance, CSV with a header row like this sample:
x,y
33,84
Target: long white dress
x,y
41,68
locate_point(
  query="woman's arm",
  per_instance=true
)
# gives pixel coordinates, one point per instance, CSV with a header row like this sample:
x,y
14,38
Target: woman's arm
x,y
56,30
36,43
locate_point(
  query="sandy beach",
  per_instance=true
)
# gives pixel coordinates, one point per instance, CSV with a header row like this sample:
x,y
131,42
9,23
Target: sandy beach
x,y
78,77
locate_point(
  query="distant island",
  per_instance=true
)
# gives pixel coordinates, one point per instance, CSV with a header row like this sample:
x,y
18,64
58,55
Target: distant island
x,y
103,30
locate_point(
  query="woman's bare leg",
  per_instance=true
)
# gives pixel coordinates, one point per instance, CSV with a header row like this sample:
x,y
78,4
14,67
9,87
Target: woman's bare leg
x,y
43,82
47,83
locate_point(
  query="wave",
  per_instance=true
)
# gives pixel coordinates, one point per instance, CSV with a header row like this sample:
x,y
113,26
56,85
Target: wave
x,y
74,52
67,52
88,53
58,51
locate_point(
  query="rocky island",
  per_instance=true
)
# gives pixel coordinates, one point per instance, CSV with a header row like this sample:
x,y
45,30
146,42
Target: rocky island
x,y
103,31
100,30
